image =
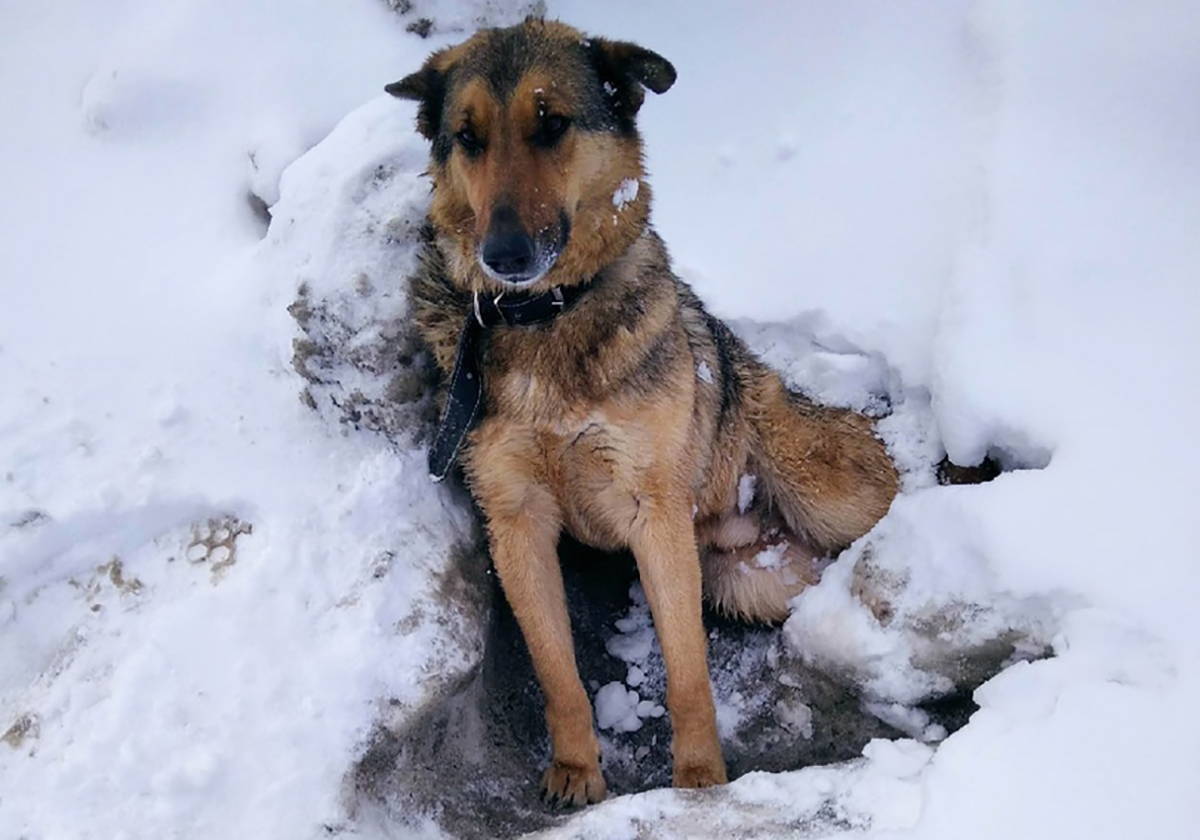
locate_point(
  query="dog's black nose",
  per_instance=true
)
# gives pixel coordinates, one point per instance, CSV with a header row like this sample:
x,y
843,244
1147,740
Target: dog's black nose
x,y
508,250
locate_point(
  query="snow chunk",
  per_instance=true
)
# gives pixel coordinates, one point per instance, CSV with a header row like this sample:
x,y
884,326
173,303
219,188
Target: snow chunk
x,y
635,638
648,708
632,647
704,373
795,717
772,556
746,492
625,193
911,721
617,708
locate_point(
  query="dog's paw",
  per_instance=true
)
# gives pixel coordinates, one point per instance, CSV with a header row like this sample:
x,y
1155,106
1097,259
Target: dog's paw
x,y
700,775
571,784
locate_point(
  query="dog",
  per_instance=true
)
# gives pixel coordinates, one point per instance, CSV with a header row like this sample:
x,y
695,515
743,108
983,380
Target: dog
x,y
587,389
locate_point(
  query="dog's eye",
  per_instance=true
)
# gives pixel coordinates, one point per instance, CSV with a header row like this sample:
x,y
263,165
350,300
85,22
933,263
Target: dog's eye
x,y
470,143
551,128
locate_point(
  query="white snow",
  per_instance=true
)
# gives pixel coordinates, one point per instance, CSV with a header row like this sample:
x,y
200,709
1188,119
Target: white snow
x,y
635,638
616,708
981,217
625,193
746,485
704,373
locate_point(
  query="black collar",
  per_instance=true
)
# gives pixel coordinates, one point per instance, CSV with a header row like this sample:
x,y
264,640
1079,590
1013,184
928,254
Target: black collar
x,y
464,394
521,310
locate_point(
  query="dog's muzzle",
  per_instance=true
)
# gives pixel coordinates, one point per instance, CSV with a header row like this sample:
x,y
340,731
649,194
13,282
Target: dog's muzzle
x,y
509,255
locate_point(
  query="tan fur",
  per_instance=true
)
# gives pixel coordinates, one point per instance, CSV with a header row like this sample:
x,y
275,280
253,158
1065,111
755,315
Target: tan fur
x,y
599,423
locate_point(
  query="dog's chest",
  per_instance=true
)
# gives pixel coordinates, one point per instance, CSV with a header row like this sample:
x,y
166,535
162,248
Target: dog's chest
x,y
598,469
595,458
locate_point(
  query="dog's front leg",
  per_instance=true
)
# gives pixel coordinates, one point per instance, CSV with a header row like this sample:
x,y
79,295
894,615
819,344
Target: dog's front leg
x,y
525,552
524,520
664,543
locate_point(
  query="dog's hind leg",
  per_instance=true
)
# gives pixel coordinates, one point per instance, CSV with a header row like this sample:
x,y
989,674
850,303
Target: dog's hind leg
x,y
754,583
823,469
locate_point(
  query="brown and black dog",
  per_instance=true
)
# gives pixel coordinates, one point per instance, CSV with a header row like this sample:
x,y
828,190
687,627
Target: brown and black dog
x,y
621,411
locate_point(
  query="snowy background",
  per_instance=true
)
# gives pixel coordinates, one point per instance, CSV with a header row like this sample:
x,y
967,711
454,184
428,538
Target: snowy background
x,y
213,598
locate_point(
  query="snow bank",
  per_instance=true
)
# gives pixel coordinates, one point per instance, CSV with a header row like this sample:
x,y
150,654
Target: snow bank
x,y
879,792
207,597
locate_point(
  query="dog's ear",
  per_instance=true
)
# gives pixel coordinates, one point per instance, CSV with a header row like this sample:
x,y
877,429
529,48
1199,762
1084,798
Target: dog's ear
x,y
626,69
427,87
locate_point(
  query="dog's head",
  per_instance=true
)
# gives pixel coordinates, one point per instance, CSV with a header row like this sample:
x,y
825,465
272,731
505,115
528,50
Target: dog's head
x,y
536,159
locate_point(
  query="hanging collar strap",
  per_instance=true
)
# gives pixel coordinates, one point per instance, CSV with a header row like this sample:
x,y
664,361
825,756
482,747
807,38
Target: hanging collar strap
x,y
464,394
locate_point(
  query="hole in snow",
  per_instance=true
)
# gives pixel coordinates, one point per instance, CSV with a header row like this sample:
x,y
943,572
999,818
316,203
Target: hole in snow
x,y
475,756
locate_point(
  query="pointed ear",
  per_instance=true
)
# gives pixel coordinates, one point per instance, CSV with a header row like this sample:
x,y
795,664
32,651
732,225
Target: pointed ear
x,y
412,86
428,88
625,69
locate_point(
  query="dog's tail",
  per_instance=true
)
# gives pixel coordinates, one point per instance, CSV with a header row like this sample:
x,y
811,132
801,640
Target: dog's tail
x,y
821,480
821,469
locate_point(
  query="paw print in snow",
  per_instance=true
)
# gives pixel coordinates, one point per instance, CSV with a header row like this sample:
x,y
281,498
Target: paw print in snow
x,y
215,542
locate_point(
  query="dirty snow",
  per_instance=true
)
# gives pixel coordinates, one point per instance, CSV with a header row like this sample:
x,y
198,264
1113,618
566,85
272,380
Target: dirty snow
x,y
977,220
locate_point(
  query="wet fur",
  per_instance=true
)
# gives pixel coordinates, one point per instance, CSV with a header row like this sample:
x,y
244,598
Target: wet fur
x,y
629,419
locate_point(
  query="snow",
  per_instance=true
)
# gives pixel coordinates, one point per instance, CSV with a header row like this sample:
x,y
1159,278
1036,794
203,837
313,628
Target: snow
x,y
635,638
621,709
794,717
771,557
746,484
978,220
625,193
617,708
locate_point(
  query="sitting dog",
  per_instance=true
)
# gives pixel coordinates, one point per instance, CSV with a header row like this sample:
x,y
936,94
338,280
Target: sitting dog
x,y
587,389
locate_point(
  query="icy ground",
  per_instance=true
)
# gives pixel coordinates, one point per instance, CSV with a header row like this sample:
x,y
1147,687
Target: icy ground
x,y
225,614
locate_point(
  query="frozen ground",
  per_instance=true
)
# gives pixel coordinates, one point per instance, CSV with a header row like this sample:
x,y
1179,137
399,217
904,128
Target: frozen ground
x,y
224,614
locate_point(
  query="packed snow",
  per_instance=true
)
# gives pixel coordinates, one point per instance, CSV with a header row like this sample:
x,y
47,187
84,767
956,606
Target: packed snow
x,y
976,223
